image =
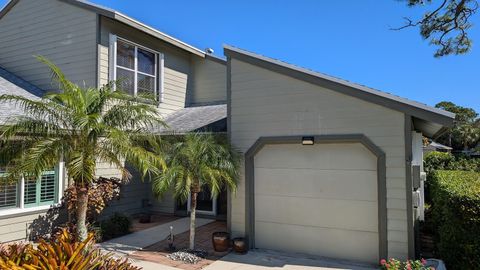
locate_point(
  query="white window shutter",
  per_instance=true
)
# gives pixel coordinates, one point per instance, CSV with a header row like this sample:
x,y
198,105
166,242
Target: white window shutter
x,y
161,77
112,53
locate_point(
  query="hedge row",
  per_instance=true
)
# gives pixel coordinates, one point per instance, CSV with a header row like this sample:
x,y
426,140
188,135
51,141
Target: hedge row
x,y
456,217
446,161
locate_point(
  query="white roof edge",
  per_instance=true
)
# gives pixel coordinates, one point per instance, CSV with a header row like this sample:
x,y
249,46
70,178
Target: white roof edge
x,y
343,82
167,37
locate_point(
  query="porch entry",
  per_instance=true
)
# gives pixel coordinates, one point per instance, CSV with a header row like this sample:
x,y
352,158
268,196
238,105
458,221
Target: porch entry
x,y
205,204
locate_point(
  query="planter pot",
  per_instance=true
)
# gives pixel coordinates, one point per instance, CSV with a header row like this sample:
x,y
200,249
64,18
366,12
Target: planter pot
x,y
240,245
145,218
220,241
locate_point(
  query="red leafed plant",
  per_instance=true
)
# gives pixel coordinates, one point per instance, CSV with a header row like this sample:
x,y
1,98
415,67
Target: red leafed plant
x,y
99,194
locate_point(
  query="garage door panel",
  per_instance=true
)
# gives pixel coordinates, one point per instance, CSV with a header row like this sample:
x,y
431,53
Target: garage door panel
x,y
318,241
334,184
333,156
340,214
319,199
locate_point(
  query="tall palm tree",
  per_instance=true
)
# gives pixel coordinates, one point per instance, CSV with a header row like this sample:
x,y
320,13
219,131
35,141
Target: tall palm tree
x,y
81,126
194,162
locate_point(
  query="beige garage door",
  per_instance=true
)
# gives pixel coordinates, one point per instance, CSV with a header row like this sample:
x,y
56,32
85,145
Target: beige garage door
x,y
319,200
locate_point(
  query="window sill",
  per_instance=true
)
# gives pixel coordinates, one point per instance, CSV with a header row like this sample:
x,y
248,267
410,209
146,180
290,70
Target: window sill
x,y
14,212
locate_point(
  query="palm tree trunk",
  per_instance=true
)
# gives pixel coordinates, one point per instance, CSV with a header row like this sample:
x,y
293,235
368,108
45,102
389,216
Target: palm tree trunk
x,y
193,209
82,204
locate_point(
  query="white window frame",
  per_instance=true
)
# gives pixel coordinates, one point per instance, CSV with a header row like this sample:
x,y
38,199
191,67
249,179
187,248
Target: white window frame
x,y
211,213
159,65
21,209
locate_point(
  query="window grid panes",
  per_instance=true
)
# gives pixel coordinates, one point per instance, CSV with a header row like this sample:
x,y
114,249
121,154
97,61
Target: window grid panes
x,y
36,191
8,194
136,69
30,191
47,187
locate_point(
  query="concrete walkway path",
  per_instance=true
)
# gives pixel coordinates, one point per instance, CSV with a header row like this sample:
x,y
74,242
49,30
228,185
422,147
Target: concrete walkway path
x,y
130,243
145,265
272,260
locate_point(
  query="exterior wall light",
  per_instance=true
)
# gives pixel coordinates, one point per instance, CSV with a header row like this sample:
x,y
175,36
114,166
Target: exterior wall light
x,y
308,140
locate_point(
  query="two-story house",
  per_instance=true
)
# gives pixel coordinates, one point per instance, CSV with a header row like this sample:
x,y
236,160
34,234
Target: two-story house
x,y
331,168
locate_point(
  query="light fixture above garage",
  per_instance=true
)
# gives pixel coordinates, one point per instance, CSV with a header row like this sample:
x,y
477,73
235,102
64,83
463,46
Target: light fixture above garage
x,y
308,140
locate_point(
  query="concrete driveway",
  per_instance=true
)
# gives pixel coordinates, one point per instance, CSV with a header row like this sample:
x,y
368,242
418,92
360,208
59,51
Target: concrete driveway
x,y
269,260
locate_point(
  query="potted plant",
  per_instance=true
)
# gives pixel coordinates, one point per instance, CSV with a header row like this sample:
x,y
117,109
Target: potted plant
x,y
240,245
220,241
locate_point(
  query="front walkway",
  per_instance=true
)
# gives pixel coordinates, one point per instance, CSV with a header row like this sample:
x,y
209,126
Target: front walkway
x,y
272,260
203,240
130,243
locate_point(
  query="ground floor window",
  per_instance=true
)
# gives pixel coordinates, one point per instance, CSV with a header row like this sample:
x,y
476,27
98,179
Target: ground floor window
x,y
31,192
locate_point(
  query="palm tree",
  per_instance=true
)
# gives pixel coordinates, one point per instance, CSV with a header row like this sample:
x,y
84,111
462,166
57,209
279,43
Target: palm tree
x,y
194,162
468,135
82,126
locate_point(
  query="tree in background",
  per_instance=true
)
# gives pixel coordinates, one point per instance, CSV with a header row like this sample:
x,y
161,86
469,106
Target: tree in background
x,y
465,133
194,162
446,26
81,126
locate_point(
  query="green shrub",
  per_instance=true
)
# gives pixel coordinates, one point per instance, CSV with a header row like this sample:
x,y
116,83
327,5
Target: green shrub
x,y
456,217
446,161
437,161
115,226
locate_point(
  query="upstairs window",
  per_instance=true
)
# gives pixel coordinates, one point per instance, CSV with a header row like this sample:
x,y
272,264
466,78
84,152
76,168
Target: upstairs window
x,y
136,68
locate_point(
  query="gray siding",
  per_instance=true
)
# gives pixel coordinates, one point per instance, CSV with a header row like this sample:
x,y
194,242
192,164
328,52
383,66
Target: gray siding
x,y
177,63
130,201
209,82
265,103
131,193
61,32
166,204
25,226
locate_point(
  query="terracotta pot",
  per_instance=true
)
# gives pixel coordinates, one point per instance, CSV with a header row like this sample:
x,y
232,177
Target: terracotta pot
x,y
240,245
145,218
220,241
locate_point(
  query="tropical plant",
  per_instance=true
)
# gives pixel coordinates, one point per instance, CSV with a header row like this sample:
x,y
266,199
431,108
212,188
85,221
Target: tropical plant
x,y
394,264
102,191
82,126
61,253
194,162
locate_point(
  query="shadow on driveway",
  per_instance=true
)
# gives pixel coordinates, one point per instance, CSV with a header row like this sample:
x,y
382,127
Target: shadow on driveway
x,y
266,259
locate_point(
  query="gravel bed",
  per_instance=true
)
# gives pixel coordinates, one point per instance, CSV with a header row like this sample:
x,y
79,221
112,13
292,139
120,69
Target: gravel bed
x,y
188,256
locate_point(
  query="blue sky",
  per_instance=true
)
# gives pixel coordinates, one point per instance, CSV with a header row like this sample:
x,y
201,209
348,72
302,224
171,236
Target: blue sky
x,y
348,39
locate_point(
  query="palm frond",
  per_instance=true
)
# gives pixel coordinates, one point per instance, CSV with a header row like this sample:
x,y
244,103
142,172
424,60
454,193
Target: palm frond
x,y
197,160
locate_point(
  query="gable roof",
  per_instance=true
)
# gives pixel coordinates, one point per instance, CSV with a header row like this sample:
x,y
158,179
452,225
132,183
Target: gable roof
x,y
11,84
113,14
429,120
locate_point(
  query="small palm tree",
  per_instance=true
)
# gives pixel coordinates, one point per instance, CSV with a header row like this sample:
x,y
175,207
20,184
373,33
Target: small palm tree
x,y
193,162
82,126
468,135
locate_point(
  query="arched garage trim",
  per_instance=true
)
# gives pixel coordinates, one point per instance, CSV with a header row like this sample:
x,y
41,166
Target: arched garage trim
x,y
319,139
